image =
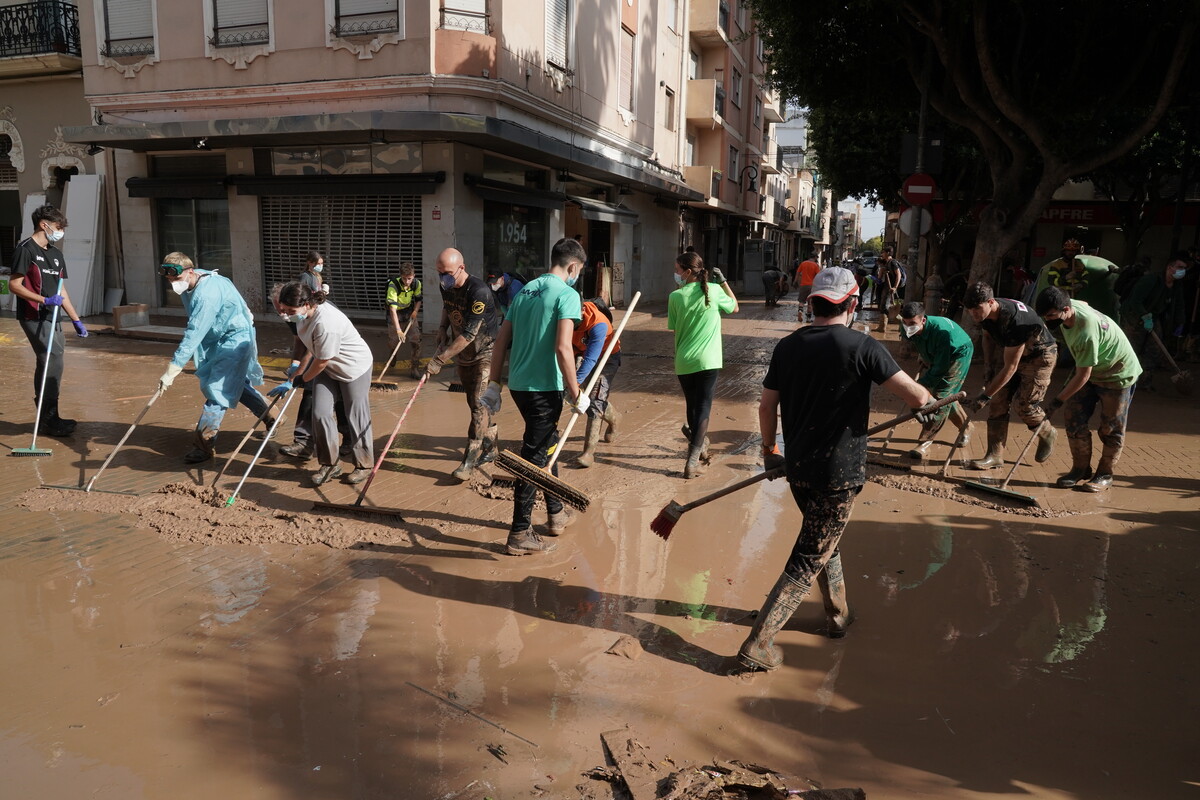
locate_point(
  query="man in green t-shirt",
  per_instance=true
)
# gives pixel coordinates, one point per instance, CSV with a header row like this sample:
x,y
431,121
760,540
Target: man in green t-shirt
x,y
1106,373
945,351
539,325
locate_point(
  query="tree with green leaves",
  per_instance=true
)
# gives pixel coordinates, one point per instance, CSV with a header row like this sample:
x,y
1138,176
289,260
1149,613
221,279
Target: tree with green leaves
x,y
1048,89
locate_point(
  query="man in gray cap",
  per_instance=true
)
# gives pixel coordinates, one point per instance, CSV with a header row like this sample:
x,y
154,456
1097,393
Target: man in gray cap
x,y
819,383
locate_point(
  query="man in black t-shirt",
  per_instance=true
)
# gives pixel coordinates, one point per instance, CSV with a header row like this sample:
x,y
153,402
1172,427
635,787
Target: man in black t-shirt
x,y
1019,353
38,268
819,383
469,311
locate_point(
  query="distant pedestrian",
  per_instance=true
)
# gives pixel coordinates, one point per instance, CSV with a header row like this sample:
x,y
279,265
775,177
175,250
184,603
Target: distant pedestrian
x,y
694,314
774,284
404,313
312,276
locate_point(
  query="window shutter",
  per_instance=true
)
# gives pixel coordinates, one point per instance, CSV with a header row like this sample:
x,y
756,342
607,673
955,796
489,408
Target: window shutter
x,y
241,13
355,7
129,19
556,32
625,97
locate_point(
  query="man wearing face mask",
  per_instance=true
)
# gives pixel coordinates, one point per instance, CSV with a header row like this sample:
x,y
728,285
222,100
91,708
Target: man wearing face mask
x,y
540,326
38,269
505,286
945,350
1106,373
469,312
1158,303
220,339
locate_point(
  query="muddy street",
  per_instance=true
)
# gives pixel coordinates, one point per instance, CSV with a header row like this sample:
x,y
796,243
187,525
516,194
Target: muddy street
x,y
158,643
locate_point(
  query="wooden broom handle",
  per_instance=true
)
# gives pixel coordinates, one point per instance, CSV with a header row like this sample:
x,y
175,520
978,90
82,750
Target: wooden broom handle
x,y
587,390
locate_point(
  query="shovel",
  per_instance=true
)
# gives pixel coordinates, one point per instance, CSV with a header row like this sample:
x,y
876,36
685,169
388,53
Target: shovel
x,y
1182,378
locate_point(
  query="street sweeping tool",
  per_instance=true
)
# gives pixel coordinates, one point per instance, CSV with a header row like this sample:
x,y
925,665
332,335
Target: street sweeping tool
x,y
120,444
270,435
1002,490
543,479
1182,378
33,449
380,383
664,523
245,439
357,506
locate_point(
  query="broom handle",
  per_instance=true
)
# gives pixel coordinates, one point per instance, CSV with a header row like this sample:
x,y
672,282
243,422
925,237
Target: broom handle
x,y
770,474
37,422
888,441
391,358
945,401
242,443
1165,352
591,383
291,393
1021,457
121,443
379,461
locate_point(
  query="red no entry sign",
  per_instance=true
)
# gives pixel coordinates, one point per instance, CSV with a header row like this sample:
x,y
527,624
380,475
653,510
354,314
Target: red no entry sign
x,y
918,189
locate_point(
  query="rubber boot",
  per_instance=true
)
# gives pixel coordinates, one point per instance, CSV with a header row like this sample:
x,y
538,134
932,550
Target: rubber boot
x,y
1102,479
997,432
474,449
488,453
964,435
759,651
1081,463
1046,436
205,449
833,589
588,456
610,416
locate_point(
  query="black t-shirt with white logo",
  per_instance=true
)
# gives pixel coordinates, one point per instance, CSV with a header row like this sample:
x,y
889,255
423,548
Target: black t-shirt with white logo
x,y
1017,324
471,309
41,270
823,374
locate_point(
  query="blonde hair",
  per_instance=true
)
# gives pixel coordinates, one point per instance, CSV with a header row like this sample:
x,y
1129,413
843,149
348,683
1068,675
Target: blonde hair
x,y
180,259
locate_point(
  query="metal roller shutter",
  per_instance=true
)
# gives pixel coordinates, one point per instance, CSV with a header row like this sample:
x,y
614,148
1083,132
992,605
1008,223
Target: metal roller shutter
x,y
241,13
129,19
364,240
556,32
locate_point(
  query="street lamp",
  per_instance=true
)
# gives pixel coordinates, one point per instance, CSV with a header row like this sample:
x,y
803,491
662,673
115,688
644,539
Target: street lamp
x,y
753,170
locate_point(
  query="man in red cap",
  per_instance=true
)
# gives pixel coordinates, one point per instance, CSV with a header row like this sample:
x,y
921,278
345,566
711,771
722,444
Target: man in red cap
x,y
820,378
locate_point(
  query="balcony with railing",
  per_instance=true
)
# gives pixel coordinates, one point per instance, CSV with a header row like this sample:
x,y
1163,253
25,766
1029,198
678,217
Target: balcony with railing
x,y
459,19
366,24
705,102
708,22
704,179
39,37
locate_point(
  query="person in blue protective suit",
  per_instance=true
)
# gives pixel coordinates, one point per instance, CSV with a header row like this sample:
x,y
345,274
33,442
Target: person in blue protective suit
x,y
220,339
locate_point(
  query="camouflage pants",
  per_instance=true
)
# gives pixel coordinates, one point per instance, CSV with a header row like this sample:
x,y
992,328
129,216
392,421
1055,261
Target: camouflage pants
x,y
825,516
1025,390
474,379
1114,415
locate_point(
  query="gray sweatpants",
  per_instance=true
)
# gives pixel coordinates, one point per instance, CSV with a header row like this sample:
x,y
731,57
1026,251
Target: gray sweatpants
x,y
355,396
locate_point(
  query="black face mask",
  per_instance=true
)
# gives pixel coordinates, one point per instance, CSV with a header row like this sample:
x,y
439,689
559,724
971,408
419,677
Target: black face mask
x,y
1054,324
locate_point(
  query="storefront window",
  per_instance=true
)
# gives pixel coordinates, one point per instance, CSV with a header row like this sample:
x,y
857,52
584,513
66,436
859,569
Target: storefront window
x,y
376,159
199,228
514,238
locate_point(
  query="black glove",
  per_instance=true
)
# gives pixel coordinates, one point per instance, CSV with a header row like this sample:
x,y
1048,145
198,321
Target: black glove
x,y
927,413
979,402
718,277
1052,406
773,460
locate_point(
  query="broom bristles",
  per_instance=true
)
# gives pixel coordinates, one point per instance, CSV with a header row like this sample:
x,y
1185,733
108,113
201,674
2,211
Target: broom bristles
x,y
523,470
387,386
664,523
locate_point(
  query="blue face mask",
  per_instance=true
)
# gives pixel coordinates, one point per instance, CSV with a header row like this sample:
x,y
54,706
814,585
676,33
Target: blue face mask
x,y
446,281
572,278
679,279
299,316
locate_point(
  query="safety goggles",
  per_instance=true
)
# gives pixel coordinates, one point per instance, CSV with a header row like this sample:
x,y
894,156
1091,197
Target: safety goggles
x,y
170,270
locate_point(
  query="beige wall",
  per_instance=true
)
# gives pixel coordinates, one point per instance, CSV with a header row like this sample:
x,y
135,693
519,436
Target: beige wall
x,y
38,107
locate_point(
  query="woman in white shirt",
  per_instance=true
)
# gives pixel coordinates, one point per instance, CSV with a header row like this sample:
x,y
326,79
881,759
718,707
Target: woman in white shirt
x,y
338,362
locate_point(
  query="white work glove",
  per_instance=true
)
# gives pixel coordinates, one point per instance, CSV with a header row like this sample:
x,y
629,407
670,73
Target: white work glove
x,y
581,404
491,398
168,377
325,288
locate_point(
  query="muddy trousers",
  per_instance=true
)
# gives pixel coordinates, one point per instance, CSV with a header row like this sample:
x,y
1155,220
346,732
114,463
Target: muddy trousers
x,y
1114,415
474,380
46,341
815,556
355,396
943,384
412,338
1025,392
698,391
541,411
211,414
599,395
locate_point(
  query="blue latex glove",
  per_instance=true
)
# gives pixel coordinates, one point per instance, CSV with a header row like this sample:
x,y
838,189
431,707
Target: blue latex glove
x,y
53,300
80,329
281,389
1148,321
291,370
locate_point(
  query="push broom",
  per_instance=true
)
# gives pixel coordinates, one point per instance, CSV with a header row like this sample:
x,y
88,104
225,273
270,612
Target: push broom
x,y
542,478
1002,490
33,449
380,383
242,443
664,523
270,435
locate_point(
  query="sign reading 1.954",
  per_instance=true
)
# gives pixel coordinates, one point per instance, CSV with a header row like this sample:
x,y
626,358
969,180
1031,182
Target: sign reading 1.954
x,y
514,233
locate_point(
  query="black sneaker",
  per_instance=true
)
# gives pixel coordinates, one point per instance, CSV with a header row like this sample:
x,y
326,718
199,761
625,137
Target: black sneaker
x,y
1075,477
299,450
57,427
197,455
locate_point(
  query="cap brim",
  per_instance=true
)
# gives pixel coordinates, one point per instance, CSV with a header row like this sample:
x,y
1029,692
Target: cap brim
x,y
834,297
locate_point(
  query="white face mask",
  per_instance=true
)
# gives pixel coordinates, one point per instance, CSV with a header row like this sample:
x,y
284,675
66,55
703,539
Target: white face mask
x,y
911,330
679,279
55,236
318,267
1180,274
180,286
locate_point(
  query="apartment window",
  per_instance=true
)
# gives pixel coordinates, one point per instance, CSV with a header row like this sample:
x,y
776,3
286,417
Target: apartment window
x,y
741,14
733,163
736,87
466,15
558,26
368,17
758,105
758,48
671,9
129,28
693,65
625,96
240,22
691,150
669,106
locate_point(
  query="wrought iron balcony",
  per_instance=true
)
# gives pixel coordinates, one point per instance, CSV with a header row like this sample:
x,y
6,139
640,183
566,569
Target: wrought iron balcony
x,y
462,20
38,28
366,24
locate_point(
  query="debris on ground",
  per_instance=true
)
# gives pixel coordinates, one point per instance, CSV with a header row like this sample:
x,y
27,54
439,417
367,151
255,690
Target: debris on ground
x,y
626,646
636,775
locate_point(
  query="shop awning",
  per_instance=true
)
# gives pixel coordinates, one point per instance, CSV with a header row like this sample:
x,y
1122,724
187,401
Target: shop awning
x,y
599,211
410,183
500,192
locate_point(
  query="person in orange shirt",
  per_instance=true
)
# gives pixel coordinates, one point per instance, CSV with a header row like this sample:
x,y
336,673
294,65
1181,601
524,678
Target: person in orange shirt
x,y
805,273
592,335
